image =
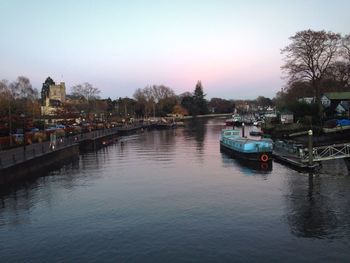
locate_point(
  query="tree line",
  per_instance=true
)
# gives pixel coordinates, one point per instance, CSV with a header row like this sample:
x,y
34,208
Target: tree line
x,y
314,62
20,98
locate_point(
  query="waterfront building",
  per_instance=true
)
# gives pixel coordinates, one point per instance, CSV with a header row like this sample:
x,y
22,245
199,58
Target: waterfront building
x,y
307,100
330,98
52,96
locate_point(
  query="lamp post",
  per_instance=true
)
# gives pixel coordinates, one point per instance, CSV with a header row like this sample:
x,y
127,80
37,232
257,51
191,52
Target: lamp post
x,y
24,135
310,133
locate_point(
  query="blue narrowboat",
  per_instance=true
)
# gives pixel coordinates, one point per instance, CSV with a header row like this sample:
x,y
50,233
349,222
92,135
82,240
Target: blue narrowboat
x,y
244,148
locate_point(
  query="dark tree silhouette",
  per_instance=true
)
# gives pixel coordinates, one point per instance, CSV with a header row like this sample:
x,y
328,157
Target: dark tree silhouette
x,y
308,57
200,104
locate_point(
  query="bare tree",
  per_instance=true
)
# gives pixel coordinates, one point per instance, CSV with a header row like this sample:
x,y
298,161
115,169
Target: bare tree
x,y
5,105
346,48
339,71
308,57
89,94
151,96
162,92
86,91
139,95
344,66
4,89
5,98
23,89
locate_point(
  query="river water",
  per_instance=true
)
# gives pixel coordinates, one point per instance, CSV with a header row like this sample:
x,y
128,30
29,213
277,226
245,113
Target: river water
x,y
171,196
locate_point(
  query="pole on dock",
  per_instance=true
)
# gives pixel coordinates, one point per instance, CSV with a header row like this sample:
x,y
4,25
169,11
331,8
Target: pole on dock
x,y
310,148
243,129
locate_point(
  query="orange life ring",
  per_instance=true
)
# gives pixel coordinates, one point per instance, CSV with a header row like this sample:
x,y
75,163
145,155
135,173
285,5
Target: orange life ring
x,y
264,157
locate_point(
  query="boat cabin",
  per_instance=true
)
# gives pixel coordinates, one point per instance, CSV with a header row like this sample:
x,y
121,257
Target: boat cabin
x,y
230,133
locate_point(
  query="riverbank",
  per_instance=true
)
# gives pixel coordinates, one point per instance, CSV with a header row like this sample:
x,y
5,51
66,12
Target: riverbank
x,y
18,163
35,165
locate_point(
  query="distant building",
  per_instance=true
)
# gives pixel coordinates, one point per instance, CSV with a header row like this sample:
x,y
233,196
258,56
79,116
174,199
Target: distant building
x,y
287,117
270,112
343,108
245,106
52,96
336,103
334,98
308,100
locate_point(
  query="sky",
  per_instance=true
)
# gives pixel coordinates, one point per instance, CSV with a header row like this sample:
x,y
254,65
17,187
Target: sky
x,y
233,47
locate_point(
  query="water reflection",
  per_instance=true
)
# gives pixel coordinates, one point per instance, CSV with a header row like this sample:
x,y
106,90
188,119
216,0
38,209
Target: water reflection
x,y
18,199
196,129
246,166
156,145
318,205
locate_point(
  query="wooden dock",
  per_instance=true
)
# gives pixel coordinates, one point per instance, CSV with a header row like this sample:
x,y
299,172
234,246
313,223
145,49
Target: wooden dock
x,y
294,161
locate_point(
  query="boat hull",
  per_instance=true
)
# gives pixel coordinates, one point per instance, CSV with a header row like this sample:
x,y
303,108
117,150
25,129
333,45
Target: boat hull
x,y
255,156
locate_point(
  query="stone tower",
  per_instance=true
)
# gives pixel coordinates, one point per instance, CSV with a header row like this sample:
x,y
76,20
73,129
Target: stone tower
x,y
52,96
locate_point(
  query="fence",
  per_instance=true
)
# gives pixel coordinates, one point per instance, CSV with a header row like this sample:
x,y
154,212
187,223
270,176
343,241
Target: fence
x,y
27,152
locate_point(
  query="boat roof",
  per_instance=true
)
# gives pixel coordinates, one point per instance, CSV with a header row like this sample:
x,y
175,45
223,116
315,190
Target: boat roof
x,y
230,130
234,133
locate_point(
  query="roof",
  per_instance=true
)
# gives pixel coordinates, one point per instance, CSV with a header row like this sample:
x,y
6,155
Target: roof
x,y
337,95
345,105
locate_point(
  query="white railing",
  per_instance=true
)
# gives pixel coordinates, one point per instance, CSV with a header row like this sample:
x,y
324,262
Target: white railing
x,y
329,152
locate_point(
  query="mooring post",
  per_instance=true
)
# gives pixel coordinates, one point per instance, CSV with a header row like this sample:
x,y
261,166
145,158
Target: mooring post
x,y
311,155
243,129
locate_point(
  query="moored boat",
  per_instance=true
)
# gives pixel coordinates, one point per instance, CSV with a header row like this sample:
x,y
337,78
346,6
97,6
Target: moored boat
x,y
244,148
236,120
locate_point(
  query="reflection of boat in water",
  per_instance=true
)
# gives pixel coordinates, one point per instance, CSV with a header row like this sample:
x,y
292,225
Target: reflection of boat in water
x,y
244,148
246,166
258,166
